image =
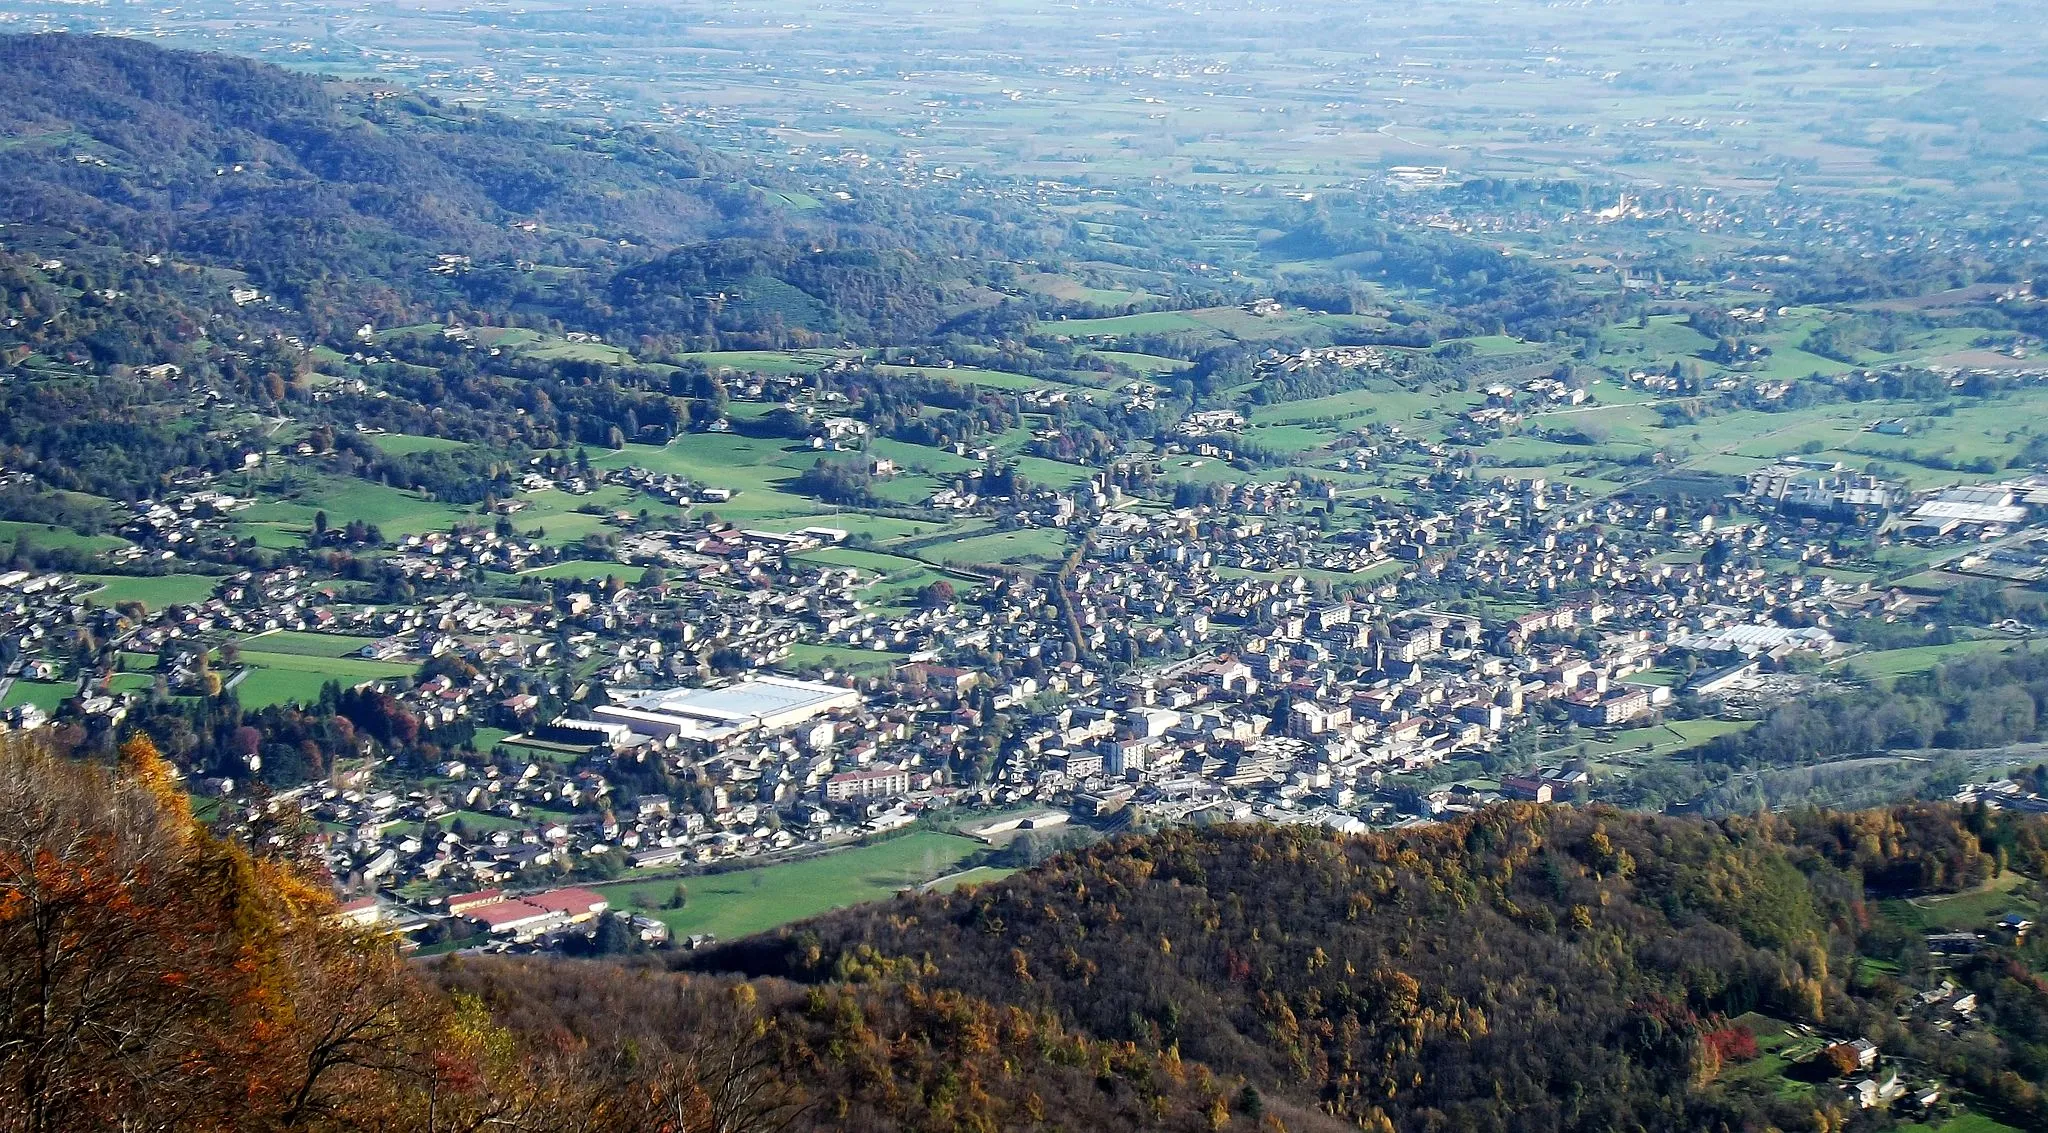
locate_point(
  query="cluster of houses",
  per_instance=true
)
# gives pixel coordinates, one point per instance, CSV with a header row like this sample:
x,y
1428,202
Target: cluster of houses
x,y
1246,685
1367,359
1241,658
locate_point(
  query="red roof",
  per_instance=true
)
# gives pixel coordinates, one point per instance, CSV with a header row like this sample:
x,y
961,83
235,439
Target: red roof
x,y
574,902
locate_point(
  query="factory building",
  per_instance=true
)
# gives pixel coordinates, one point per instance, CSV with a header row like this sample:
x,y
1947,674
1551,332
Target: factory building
x,y
715,716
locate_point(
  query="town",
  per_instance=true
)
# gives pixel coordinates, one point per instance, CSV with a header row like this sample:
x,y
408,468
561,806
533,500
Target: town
x,y
709,695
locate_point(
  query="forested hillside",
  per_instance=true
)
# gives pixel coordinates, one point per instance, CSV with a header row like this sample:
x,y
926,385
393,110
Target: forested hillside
x,y
345,202
322,191
156,977
341,201
1527,969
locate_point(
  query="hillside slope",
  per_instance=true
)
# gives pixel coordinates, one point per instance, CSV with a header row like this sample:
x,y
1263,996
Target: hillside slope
x,y
1528,969
216,153
347,200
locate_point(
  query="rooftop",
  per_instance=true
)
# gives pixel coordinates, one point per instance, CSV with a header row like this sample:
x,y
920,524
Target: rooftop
x,y
757,699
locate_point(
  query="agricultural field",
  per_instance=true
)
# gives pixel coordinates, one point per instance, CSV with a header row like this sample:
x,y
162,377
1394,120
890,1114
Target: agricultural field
x,y
402,444
972,376
1962,1123
767,361
1148,364
302,644
46,695
291,500
578,352
1892,663
296,678
586,571
747,901
1124,326
890,577
1973,911
874,562
1660,740
756,470
979,875
154,591
1038,545
56,538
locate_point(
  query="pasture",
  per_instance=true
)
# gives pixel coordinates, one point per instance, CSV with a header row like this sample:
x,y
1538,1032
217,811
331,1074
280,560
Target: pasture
x,y
301,644
295,678
154,591
744,902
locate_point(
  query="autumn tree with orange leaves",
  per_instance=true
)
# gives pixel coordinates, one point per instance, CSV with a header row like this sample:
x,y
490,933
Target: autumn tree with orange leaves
x,y
154,976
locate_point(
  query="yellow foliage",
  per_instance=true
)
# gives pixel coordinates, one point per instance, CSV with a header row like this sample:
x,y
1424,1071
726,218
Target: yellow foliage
x,y
142,765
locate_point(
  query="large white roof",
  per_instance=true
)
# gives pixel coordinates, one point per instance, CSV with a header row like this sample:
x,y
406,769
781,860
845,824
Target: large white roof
x,y
758,698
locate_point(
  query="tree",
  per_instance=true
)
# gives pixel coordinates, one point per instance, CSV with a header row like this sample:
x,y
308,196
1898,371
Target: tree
x,y
155,977
1840,1060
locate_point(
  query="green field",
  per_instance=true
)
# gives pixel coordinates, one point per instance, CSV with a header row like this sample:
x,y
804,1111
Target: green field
x,y
587,571
845,657
766,361
1922,658
759,470
1974,910
288,678
1032,544
291,507
562,351
153,591
303,644
1158,322
744,902
1663,739
404,444
57,538
477,821
46,695
874,562
1779,1048
979,875
1965,1123
1145,363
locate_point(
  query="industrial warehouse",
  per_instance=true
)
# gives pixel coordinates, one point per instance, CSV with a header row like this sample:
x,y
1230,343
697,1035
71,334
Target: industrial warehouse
x,y
715,716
